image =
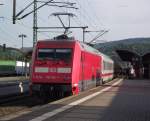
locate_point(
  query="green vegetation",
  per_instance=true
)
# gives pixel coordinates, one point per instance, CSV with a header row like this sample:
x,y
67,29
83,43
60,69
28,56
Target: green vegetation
x,y
140,46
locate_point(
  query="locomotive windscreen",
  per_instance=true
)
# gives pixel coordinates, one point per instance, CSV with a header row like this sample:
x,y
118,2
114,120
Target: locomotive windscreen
x,y
54,54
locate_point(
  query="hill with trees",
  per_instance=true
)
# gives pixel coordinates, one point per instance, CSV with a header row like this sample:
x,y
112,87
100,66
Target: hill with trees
x,y
140,46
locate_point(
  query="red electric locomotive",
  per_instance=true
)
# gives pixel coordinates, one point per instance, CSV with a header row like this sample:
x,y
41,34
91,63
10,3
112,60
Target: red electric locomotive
x,y
66,66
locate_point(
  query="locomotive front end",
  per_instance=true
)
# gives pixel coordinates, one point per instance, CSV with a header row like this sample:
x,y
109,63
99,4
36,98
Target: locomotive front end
x,y
52,68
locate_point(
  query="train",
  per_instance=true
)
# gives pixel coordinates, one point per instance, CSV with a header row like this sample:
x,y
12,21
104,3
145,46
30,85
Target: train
x,y
13,68
67,66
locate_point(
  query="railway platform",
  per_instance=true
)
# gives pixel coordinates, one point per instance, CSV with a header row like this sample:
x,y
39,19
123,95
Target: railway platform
x,y
119,100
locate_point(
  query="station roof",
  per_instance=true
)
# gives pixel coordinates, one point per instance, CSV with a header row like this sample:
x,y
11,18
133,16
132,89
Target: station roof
x,y
127,55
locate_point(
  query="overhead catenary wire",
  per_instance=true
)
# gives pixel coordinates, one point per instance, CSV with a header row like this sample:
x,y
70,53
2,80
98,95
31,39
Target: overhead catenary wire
x,y
44,21
94,13
80,23
61,10
19,18
91,17
87,18
12,33
27,14
69,23
38,17
85,15
35,14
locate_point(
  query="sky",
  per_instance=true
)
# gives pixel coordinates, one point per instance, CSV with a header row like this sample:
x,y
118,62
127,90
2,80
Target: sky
x,y
122,18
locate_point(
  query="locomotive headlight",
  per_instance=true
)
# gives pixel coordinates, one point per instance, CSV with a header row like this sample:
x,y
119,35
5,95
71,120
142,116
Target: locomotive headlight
x,y
75,85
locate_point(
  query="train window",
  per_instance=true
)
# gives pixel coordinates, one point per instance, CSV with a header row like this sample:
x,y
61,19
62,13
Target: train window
x,y
54,54
107,65
63,54
46,53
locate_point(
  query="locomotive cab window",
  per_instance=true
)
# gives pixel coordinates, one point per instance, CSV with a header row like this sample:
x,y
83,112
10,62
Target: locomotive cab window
x,y
63,54
46,53
54,54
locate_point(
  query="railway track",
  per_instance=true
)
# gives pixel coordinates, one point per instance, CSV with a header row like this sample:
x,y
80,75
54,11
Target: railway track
x,y
16,103
12,98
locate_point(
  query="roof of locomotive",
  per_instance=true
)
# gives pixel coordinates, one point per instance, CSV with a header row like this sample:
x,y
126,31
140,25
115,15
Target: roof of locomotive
x,y
93,50
83,46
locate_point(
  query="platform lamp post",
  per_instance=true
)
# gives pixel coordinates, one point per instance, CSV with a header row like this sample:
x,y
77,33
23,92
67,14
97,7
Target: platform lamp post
x,y
22,36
